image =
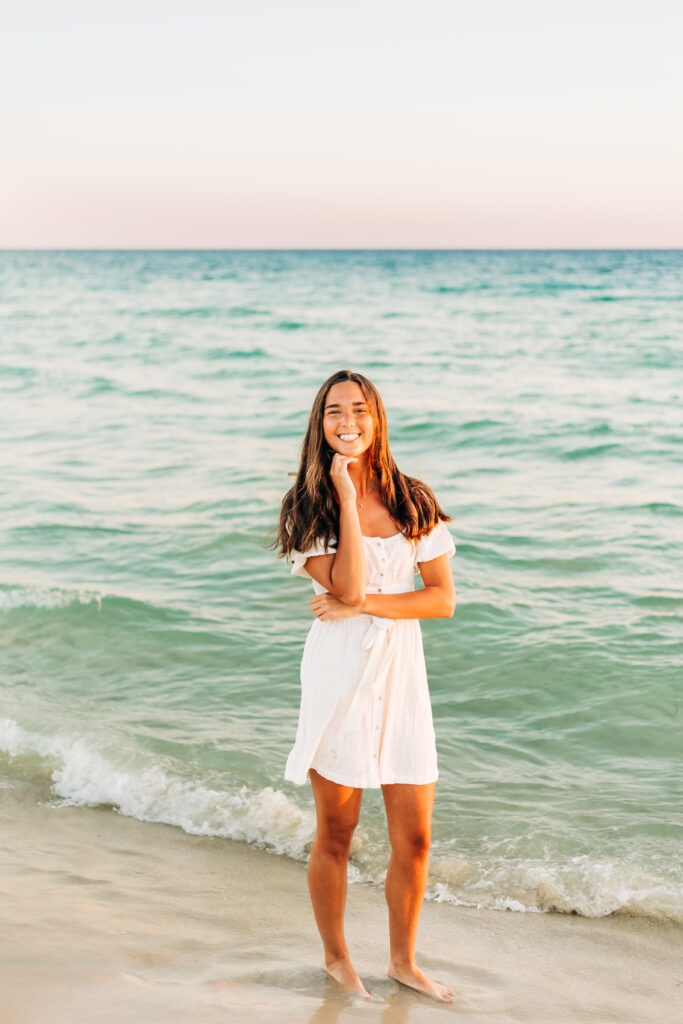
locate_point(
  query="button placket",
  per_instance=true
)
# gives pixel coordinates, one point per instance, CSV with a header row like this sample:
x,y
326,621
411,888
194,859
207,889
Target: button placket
x,y
378,711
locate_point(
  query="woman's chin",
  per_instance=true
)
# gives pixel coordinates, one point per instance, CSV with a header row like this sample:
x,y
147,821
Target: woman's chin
x,y
351,448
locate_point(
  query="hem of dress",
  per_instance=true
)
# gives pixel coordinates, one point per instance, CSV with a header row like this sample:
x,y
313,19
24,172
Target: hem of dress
x,y
354,784
295,778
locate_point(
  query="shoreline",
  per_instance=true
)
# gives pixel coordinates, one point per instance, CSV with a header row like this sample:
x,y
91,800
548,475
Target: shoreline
x,y
107,918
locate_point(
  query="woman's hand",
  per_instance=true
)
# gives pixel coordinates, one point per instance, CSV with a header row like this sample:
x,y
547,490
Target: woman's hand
x,y
339,475
327,607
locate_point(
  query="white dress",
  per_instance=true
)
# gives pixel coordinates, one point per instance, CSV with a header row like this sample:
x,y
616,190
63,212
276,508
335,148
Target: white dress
x,y
365,718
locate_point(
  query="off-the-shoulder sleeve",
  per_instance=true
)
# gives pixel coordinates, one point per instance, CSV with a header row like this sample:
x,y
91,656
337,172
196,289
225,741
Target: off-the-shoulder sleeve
x,y
298,558
437,542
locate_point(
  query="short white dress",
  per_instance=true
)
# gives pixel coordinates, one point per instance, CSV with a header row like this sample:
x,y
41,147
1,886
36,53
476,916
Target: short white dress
x,y
365,718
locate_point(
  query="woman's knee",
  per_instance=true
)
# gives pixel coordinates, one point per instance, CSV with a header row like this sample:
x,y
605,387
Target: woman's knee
x,y
335,835
411,846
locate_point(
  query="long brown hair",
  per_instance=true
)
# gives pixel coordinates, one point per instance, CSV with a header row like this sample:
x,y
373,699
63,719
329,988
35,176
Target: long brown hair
x,y
310,508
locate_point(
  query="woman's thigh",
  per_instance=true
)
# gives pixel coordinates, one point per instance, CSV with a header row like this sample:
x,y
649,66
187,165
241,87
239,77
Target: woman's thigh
x,y
337,807
409,814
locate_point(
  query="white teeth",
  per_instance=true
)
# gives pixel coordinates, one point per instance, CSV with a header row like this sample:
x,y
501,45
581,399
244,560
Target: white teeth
x,y
348,437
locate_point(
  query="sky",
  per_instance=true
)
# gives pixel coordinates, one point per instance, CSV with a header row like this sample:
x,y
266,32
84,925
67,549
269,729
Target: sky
x,y
373,124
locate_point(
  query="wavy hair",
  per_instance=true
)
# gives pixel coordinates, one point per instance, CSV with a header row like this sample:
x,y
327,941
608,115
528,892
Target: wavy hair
x,y
310,508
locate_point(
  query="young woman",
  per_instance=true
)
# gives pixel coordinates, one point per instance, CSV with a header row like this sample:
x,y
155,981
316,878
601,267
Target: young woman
x,y
361,529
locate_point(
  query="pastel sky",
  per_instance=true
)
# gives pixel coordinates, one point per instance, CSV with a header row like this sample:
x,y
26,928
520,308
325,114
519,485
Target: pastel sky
x,y
363,123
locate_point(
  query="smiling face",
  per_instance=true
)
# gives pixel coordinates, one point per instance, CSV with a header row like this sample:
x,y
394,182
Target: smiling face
x,y
348,423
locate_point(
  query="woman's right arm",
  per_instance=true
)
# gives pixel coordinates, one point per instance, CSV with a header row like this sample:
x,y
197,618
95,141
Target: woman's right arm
x,y
344,573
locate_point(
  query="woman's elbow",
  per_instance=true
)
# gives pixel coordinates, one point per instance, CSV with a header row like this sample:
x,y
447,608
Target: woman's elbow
x,y
349,592
449,608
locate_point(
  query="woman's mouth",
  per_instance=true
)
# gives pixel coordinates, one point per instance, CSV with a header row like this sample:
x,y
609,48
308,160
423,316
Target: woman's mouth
x,y
348,437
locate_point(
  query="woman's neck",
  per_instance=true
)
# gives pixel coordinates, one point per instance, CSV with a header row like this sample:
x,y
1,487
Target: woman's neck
x,y
362,479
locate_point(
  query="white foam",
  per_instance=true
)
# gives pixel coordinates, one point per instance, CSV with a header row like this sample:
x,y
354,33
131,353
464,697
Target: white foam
x,y
85,777
46,597
137,787
16,742
582,885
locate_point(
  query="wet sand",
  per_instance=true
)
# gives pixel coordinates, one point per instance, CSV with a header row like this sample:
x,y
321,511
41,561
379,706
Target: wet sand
x,y
107,919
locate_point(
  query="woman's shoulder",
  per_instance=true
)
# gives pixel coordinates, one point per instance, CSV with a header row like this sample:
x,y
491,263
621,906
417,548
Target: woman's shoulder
x,y
298,558
434,542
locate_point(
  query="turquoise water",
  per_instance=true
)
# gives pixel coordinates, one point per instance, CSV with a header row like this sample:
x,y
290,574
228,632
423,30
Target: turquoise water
x,y
152,406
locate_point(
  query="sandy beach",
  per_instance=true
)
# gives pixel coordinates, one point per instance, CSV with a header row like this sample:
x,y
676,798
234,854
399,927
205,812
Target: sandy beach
x,y
109,919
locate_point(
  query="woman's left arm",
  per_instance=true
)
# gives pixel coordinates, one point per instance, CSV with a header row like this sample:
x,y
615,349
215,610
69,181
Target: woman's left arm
x,y
436,600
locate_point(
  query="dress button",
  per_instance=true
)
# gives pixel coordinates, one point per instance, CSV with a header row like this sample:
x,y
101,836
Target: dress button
x,y
379,590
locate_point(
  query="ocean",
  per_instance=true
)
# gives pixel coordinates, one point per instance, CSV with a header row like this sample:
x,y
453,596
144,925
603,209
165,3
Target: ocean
x,y
152,408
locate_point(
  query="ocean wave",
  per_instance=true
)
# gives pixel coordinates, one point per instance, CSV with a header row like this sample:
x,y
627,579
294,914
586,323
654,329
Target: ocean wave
x,y
180,311
583,886
119,607
661,507
268,818
240,311
223,352
85,777
46,597
590,451
458,289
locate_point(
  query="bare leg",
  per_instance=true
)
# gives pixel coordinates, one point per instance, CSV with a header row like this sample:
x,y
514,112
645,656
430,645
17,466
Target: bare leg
x,y
409,817
337,810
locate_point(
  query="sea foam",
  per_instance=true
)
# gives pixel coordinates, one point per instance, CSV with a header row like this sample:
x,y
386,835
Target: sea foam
x,y
45,597
83,776
268,818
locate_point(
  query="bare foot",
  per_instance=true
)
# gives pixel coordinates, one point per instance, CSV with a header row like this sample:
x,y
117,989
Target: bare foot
x,y
345,975
412,977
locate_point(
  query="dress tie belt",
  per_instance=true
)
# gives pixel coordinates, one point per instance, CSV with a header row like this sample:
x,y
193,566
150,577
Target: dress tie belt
x,y
379,639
